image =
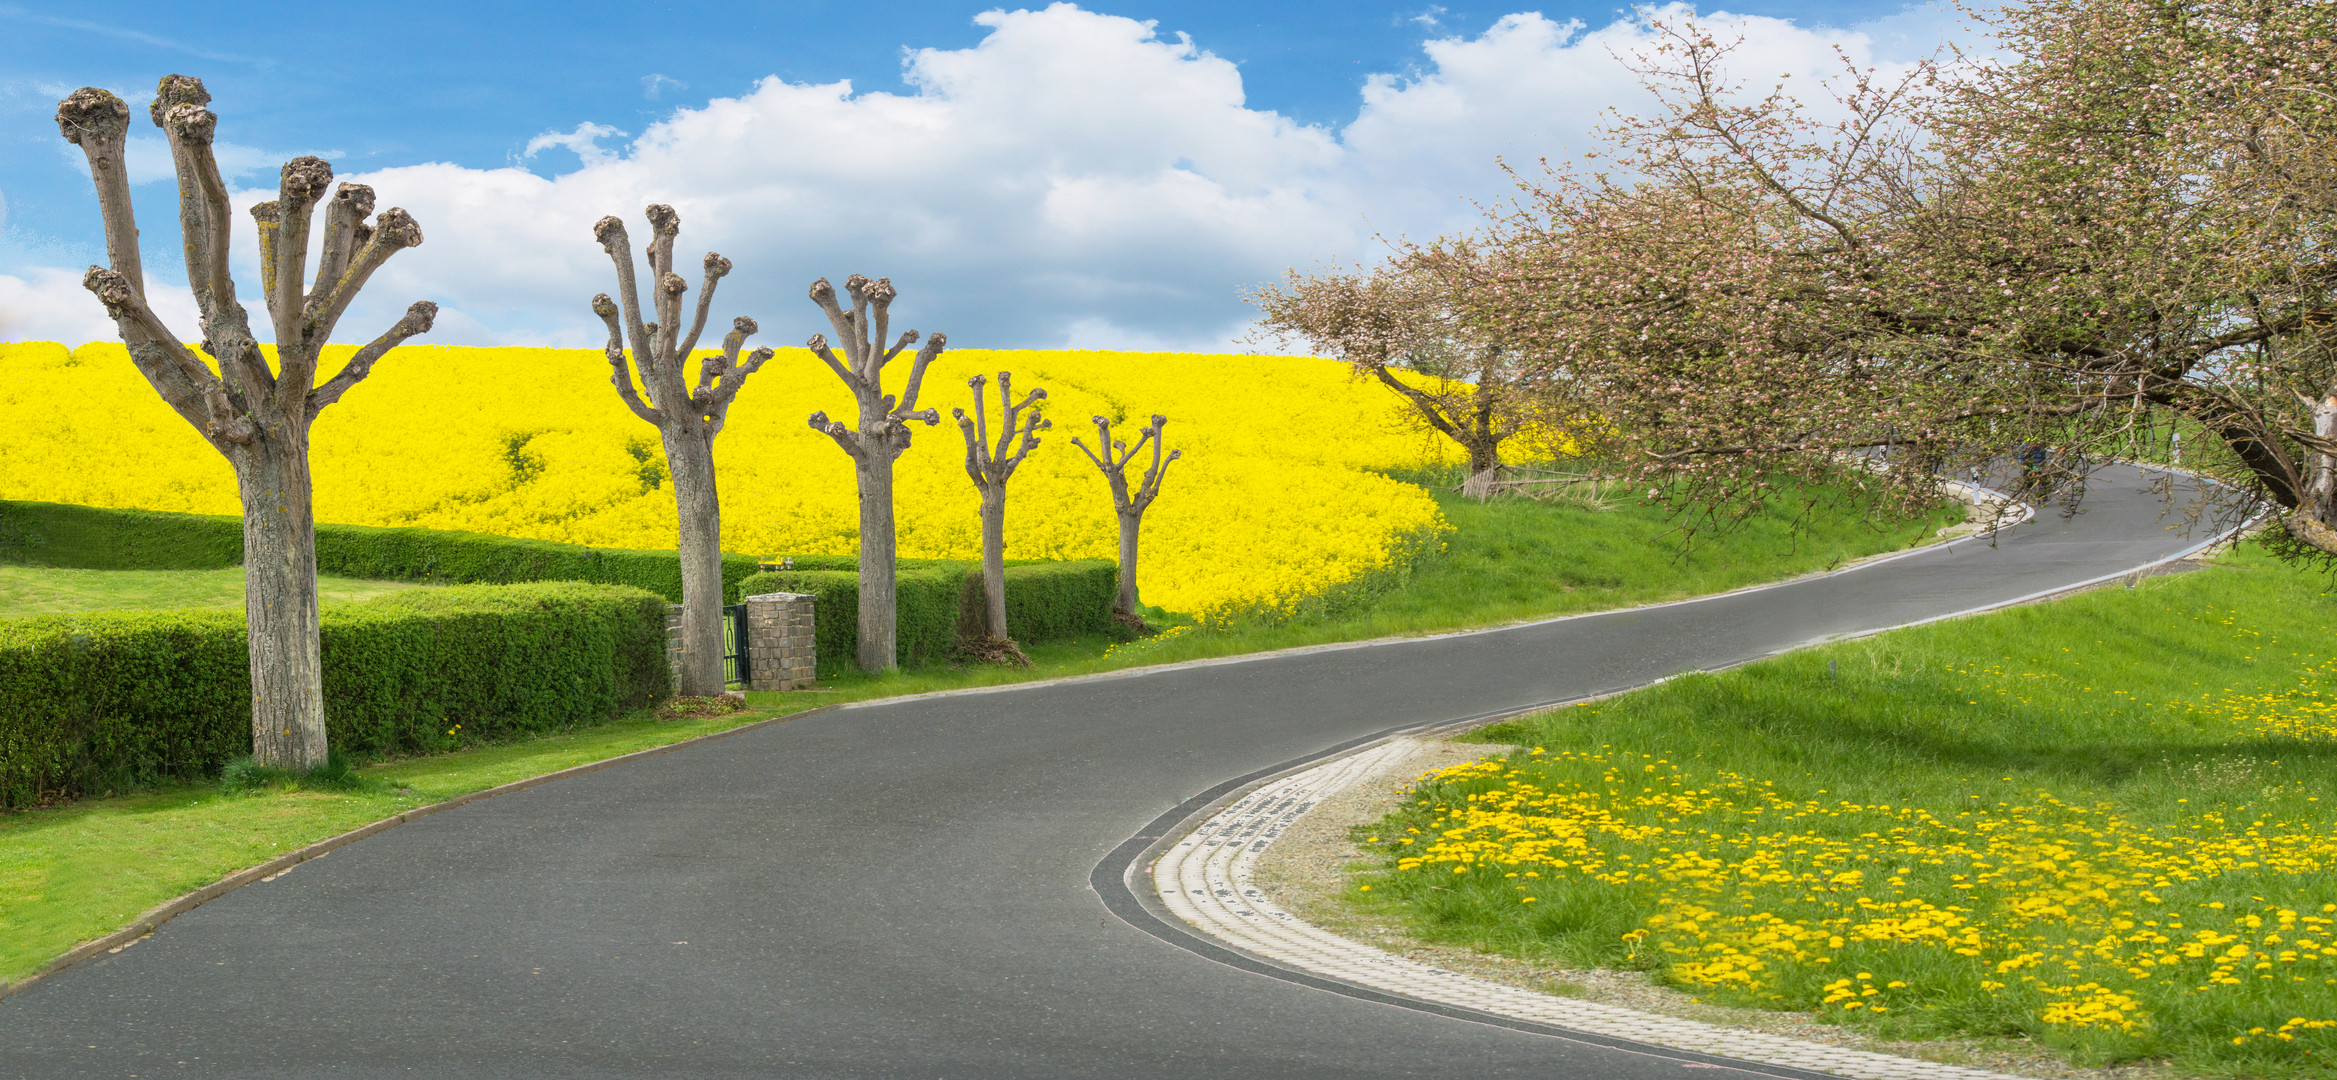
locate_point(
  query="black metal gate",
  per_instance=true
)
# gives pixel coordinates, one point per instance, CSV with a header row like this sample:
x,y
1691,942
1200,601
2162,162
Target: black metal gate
x,y
734,645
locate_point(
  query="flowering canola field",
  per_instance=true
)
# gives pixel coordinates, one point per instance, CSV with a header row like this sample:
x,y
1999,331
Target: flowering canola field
x,y
1271,503
2206,929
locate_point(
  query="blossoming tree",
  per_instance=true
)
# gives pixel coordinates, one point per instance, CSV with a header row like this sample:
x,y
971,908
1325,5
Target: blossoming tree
x,y
254,413
1113,458
2128,220
1409,323
687,418
881,436
990,466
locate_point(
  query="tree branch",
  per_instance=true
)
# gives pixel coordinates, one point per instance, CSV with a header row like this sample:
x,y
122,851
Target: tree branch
x,y
1104,429
726,368
1150,489
394,231
735,377
417,320
824,295
819,347
933,347
345,235
189,387
98,122
1427,406
621,373
844,436
879,295
976,430
610,231
301,183
717,268
2305,530
199,217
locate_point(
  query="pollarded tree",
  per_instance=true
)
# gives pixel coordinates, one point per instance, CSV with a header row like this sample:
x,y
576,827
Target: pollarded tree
x,y
990,467
1113,458
687,419
882,436
256,415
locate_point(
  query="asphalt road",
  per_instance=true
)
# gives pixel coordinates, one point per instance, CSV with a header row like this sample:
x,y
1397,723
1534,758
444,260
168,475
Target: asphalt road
x,y
902,889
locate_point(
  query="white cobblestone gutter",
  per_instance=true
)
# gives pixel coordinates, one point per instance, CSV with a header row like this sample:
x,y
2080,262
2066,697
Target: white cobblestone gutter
x,y
1205,878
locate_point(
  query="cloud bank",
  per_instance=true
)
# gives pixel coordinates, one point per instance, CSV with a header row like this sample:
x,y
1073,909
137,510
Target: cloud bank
x,y
1074,179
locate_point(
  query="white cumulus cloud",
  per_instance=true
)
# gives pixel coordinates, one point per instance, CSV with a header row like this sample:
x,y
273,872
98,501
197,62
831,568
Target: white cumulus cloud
x,y
1072,179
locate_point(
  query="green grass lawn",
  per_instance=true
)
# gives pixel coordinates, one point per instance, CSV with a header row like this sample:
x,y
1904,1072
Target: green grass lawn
x,y
71,873
2107,823
40,590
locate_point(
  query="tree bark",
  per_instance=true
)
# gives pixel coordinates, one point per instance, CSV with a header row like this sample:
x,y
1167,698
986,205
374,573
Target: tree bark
x,y
994,562
689,456
876,648
1125,603
280,605
1482,456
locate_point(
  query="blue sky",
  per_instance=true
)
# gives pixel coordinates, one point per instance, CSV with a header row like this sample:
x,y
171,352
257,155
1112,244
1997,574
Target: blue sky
x,y
1066,175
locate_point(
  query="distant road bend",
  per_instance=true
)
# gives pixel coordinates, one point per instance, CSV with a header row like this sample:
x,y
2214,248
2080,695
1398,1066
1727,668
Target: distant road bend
x,y
902,889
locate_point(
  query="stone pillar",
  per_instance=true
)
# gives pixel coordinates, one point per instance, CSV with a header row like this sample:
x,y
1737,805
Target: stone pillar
x,y
673,639
781,653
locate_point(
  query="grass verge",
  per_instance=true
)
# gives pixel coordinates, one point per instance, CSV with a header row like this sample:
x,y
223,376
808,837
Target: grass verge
x,y
41,590
2107,824
1507,561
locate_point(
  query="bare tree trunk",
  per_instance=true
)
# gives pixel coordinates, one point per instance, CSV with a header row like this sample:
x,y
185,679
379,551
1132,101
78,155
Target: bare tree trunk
x,y
280,606
687,420
994,562
2320,501
1126,604
689,456
876,649
1482,456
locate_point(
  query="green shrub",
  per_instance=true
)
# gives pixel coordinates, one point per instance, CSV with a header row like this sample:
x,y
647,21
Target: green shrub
x,y
116,700
93,538
1057,601
940,603
90,538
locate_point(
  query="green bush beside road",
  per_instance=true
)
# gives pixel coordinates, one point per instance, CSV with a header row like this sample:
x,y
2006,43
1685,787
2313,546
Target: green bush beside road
x,y
112,701
940,603
94,538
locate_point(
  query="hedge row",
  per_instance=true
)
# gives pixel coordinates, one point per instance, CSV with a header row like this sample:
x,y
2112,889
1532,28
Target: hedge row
x,y
92,538
116,700
940,603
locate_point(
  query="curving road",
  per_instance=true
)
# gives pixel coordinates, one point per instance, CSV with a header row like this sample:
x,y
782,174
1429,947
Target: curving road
x,y
903,889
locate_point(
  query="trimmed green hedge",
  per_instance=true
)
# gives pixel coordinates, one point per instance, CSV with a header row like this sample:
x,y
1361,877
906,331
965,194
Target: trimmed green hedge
x,y
93,538
117,700
941,603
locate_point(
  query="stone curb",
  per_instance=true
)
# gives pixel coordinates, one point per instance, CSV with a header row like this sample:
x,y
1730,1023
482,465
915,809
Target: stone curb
x,y
1206,879
153,918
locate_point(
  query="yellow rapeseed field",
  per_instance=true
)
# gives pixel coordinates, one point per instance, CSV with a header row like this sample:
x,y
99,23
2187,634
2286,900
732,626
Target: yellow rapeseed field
x,y
1271,503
